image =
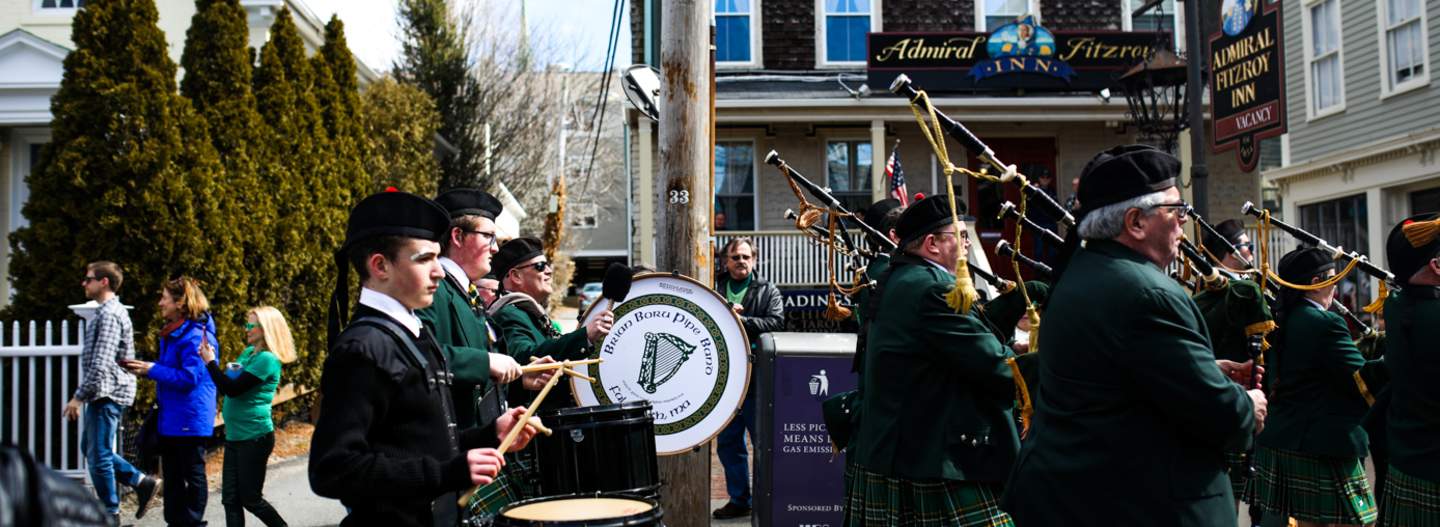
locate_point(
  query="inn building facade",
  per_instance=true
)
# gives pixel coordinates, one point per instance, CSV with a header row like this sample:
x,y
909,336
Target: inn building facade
x,y
809,79
1364,114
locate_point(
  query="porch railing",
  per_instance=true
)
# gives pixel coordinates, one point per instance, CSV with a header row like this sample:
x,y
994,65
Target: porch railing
x,y
39,371
789,258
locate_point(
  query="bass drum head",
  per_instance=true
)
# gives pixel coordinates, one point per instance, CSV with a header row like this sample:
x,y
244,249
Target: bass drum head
x,y
591,511
677,344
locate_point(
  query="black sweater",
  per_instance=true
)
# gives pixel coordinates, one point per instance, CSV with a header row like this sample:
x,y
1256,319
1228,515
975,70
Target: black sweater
x,y
385,444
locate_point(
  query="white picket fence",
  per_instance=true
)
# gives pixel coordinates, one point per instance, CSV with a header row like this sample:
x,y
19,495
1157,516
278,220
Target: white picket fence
x,y
39,371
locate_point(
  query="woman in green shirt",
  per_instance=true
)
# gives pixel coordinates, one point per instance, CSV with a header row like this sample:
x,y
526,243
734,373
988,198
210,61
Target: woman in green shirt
x,y
249,387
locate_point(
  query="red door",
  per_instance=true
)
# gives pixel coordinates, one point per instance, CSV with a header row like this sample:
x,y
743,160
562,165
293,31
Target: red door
x,y
1034,158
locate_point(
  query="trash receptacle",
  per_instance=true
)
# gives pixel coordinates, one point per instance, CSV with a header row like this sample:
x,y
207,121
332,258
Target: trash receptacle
x,y
800,480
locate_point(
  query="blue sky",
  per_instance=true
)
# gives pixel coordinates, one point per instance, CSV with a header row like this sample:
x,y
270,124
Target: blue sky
x,y
577,29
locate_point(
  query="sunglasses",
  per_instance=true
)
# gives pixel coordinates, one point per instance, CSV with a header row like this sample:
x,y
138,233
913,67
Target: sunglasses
x,y
251,326
89,279
539,266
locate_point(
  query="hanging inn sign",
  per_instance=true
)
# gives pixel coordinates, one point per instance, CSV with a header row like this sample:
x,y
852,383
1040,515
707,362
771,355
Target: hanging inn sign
x,y
1247,78
1019,56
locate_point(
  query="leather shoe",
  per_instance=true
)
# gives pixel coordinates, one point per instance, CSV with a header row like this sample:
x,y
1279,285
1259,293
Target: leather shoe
x,y
731,510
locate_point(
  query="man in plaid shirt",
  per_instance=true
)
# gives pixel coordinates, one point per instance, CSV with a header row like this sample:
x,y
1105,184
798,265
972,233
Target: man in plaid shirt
x,y
106,389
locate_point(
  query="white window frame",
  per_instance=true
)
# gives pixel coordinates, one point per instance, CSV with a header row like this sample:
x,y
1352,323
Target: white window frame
x,y
847,137
1127,18
1310,84
1387,87
37,9
21,139
756,58
1032,7
820,61
755,168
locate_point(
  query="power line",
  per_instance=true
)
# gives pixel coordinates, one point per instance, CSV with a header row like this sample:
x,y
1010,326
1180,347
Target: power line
x,y
610,51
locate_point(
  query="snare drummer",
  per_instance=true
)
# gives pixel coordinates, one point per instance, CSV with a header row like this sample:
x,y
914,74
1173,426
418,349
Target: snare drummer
x,y
386,443
522,314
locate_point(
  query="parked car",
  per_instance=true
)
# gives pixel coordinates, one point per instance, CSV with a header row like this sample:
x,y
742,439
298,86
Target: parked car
x,y
589,293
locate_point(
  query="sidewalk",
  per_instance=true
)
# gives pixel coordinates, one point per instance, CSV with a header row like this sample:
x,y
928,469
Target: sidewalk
x,y
287,487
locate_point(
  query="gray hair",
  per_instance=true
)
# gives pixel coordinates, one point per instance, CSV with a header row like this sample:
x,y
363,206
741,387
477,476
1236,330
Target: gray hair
x,y
1106,223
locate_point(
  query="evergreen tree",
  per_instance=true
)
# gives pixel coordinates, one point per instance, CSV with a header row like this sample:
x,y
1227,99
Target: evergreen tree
x,y
129,176
399,121
435,57
311,212
217,82
338,93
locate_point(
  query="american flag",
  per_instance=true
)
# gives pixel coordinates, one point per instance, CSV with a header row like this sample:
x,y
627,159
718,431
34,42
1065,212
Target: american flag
x,y
895,174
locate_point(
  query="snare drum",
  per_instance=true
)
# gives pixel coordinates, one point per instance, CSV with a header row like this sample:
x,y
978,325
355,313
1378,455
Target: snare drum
x,y
608,449
575,511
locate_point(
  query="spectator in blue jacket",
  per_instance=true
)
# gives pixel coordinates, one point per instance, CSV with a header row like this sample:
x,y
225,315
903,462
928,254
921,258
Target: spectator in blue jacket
x,y
186,396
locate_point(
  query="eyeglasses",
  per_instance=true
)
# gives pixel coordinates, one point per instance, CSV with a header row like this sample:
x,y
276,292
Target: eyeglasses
x,y
963,235
89,279
1182,209
539,266
489,237
1246,245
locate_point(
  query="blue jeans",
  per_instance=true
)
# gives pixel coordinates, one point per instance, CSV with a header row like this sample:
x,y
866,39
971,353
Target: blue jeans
x,y
107,468
730,448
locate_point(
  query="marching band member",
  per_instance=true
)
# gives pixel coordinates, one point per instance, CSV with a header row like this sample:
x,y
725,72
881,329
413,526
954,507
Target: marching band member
x,y
938,435
386,444
1134,413
1412,322
1309,457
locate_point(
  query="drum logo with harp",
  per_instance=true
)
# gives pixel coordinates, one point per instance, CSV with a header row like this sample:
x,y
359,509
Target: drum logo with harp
x,y
676,344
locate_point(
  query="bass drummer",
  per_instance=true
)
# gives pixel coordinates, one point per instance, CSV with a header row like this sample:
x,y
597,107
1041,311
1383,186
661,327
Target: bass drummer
x,y
523,317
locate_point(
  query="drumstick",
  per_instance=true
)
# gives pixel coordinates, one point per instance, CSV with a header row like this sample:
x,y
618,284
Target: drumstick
x,y
579,375
540,427
528,368
515,430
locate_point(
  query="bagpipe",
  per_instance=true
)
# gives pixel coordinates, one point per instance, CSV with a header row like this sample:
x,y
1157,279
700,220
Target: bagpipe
x,y
1370,341
837,239
936,125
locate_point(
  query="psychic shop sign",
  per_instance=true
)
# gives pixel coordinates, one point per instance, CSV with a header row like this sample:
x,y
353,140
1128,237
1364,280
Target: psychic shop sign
x,y
1247,78
805,312
967,62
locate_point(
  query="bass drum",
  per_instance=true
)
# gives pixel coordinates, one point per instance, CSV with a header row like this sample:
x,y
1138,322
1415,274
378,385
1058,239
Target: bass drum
x,y
677,344
578,511
609,448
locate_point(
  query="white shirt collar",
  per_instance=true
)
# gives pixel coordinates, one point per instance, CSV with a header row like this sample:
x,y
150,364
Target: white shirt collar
x,y
453,269
390,307
1316,304
950,272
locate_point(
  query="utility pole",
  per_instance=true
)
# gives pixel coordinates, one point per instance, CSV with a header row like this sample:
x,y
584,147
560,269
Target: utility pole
x,y
685,196
1195,91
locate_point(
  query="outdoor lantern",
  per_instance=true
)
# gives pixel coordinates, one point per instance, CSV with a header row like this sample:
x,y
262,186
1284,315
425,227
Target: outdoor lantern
x,y
1155,91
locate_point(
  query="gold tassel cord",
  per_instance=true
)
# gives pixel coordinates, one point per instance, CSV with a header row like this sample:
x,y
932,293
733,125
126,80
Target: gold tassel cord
x,y
833,309
1364,390
1376,307
1421,233
1022,393
963,296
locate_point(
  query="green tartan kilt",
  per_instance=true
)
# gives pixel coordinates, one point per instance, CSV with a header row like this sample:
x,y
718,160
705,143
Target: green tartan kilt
x,y
1311,488
1409,501
1237,466
874,499
516,482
